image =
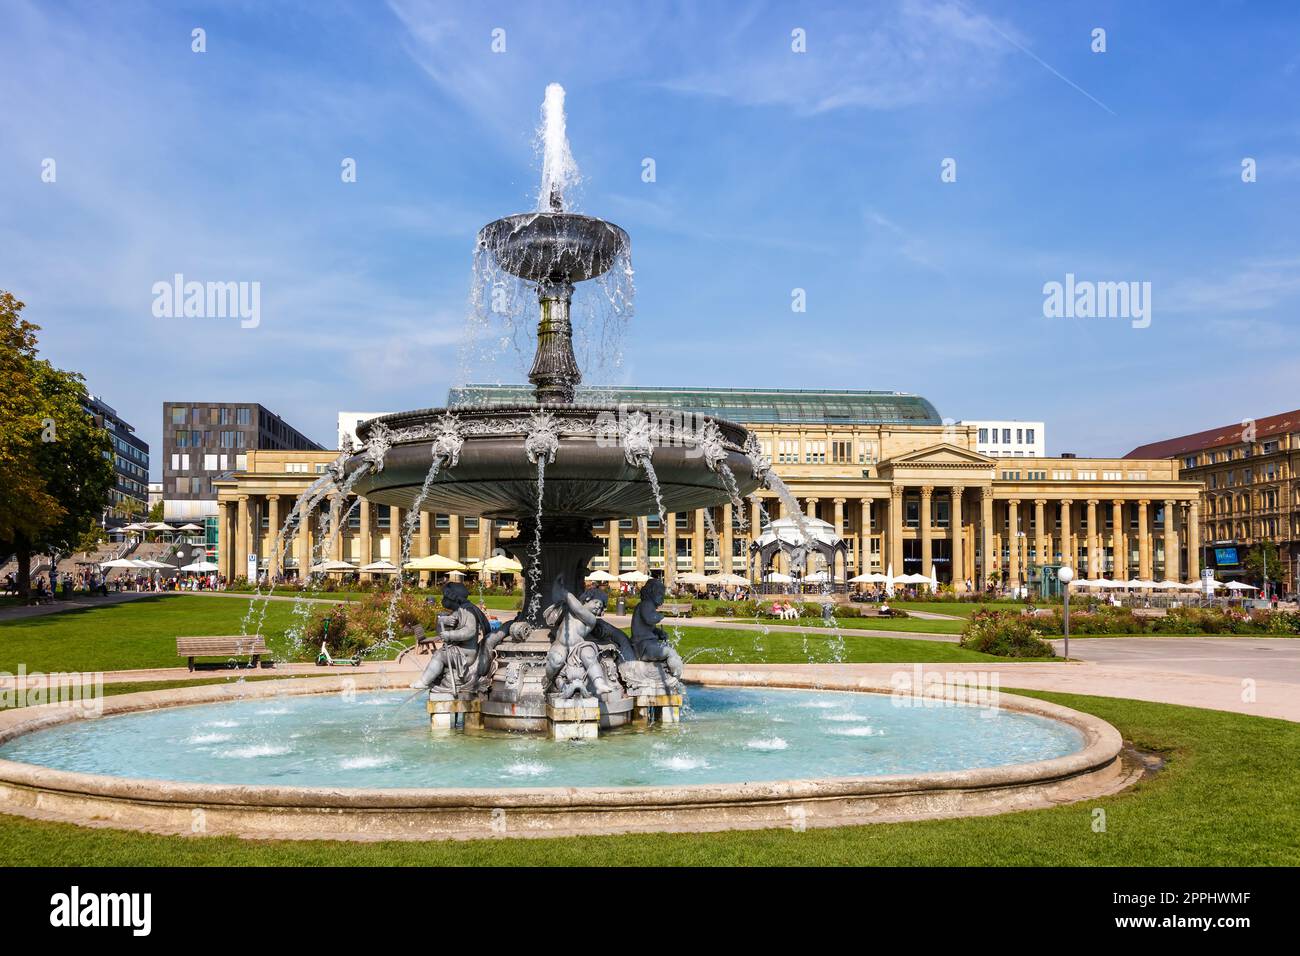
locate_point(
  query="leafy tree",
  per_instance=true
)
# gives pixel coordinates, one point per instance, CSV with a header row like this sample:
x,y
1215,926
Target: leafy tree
x,y
1264,556
56,464
156,512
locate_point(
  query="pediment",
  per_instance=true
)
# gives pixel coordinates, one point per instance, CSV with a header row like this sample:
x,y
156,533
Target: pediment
x,y
942,455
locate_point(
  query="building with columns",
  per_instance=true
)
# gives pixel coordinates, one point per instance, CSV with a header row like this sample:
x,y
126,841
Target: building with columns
x,y
905,490
1248,471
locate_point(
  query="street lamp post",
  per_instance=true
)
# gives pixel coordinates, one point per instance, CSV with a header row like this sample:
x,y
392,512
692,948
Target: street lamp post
x,y
1065,575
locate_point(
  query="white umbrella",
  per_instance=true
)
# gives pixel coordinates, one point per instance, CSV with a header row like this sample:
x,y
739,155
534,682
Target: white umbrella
x,y
434,562
889,580
817,577
727,580
120,563
190,527
201,566
601,576
776,577
634,577
380,567
875,577
694,577
155,565
934,583
334,566
1239,586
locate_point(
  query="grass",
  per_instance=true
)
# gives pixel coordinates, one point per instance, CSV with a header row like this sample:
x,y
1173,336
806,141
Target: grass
x,y
955,608
705,645
913,625
132,635
1225,797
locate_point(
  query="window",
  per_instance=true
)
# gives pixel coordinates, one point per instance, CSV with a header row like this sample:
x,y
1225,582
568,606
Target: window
x,y
182,439
1037,475
789,451
1112,476
912,508
227,439
179,414
815,453
866,453
243,416
1189,461
1137,476
995,436
241,463
1006,436
841,452
1061,476
984,436
1029,436
225,416
1020,436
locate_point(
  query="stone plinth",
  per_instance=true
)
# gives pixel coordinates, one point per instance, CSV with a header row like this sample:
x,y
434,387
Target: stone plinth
x,y
657,708
447,711
577,718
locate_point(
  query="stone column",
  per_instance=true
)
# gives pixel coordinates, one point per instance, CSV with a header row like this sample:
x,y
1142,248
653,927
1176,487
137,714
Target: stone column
x,y
367,548
302,541
643,544
864,537
338,505
1171,540
670,547
1194,541
700,540
927,545
1119,540
425,543
273,546
241,539
958,550
1041,537
615,546
453,537
486,542
1144,541
728,539
810,506
1013,541
895,543
987,565
1068,556
1094,538
395,521
225,539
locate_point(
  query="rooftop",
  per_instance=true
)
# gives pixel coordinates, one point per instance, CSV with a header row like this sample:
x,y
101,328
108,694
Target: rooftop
x,y
1233,434
793,406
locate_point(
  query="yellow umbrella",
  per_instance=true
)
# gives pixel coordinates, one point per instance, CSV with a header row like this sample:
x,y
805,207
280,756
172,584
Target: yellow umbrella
x,y
498,564
434,562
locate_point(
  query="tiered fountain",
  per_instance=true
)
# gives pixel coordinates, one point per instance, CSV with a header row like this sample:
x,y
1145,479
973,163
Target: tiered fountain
x,y
553,467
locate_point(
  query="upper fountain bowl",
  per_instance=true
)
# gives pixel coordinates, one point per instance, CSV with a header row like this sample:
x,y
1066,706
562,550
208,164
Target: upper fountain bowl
x,y
553,246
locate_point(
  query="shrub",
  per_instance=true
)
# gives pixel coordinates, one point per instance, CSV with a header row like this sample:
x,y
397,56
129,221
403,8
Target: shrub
x,y
1005,634
356,626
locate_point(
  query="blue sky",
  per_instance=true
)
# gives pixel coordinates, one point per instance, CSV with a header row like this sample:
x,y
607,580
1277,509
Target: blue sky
x,y
774,171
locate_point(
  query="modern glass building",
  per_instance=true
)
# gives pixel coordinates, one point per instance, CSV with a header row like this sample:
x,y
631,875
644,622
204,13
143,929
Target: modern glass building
x,y
130,492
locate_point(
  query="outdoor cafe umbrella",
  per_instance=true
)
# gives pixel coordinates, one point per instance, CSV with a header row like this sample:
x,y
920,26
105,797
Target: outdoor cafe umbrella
x,y
600,576
694,577
189,527
380,567
726,579
334,567
1239,586
433,562
497,564
119,563
776,577
875,577
201,566
637,577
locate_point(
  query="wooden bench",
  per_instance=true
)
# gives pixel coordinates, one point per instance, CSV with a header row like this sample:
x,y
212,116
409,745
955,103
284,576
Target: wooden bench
x,y
675,610
237,645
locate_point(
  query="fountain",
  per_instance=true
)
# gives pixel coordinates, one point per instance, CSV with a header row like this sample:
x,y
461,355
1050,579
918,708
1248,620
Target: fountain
x,y
554,467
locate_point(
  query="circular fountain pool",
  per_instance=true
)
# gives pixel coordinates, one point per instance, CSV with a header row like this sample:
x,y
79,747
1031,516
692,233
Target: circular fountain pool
x,y
343,758
728,735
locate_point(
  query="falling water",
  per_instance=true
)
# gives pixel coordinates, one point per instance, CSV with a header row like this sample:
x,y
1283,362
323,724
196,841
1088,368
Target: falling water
x,y
409,524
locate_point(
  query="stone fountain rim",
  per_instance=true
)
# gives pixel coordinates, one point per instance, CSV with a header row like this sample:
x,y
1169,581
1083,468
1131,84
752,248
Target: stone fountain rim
x,y
420,813
411,417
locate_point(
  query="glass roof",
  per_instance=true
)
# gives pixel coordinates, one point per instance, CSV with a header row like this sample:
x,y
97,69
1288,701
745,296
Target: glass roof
x,y
744,405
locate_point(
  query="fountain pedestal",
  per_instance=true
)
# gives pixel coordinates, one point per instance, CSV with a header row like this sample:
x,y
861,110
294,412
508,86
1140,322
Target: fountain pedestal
x,y
447,711
577,718
657,708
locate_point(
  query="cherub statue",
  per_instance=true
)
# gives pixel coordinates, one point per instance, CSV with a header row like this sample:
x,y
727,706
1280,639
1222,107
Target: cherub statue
x,y
465,649
573,667
648,638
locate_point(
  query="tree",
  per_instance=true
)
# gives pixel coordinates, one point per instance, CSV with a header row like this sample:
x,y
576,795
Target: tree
x,y
56,465
1261,556
156,512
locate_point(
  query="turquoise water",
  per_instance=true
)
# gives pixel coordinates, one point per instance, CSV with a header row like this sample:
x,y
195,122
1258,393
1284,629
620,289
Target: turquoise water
x,y
726,736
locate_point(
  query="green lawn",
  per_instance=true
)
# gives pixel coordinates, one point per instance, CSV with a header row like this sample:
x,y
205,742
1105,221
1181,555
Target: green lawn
x,y
1226,796
955,608
914,625
706,645
126,636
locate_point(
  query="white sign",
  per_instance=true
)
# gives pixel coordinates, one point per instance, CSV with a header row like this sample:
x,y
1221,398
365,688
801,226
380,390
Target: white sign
x,y
252,567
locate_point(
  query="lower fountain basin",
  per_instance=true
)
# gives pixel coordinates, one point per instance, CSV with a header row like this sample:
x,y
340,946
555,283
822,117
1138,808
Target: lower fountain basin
x,y
357,770
590,478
